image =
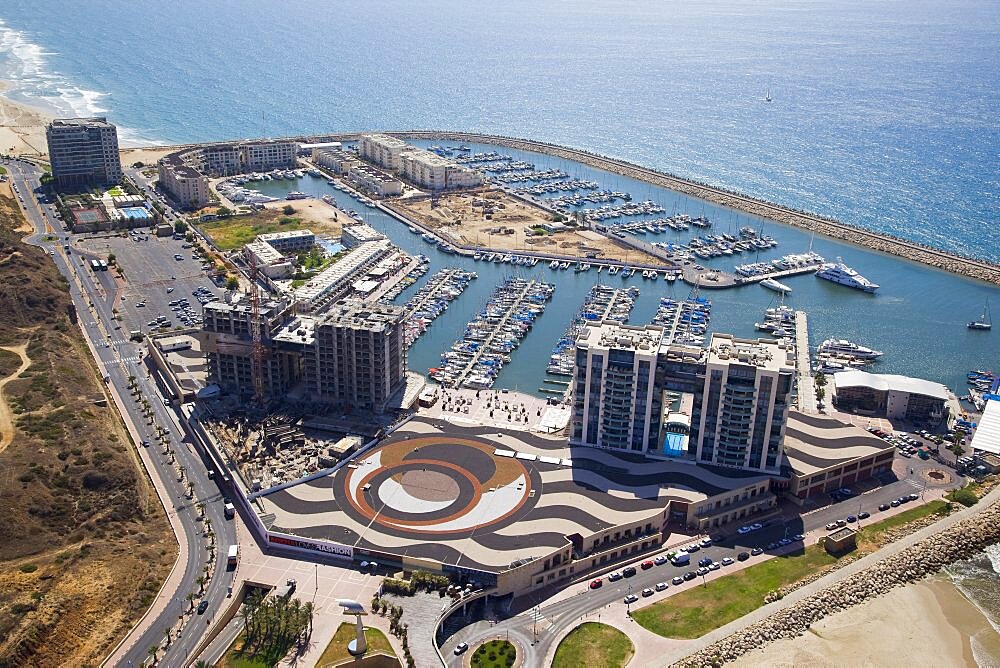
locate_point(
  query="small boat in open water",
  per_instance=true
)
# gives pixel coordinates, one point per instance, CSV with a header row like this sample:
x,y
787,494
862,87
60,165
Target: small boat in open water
x,y
984,322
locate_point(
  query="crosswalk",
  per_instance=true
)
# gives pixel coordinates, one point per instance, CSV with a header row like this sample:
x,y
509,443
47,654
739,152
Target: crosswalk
x,y
118,360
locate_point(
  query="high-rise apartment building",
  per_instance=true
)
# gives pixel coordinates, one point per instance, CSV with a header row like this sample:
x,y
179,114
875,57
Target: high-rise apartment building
x,y
740,413
83,152
617,400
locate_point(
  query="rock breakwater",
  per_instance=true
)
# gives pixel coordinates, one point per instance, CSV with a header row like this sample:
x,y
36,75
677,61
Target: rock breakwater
x,y
960,541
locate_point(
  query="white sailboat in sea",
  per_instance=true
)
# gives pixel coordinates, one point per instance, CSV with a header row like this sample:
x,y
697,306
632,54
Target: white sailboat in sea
x,y
767,98
983,322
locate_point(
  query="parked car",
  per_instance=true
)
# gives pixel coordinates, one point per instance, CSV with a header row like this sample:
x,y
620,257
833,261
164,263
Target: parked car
x,y
690,575
596,584
615,577
754,552
660,586
660,560
628,571
647,592
631,598
831,526
677,580
864,514
646,565
743,556
706,542
727,561
693,547
884,506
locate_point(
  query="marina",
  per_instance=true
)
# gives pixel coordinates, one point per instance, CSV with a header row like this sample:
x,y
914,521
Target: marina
x,y
684,321
475,359
834,311
431,300
603,302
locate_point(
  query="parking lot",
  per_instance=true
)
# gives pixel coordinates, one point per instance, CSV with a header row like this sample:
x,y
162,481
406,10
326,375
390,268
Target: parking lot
x,y
160,289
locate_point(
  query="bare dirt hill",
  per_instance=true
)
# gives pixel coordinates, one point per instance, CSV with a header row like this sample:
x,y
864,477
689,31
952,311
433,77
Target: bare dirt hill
x,y
85,542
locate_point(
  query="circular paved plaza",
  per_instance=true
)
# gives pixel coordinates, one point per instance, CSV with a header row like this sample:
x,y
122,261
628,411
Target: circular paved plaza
x,y
436,485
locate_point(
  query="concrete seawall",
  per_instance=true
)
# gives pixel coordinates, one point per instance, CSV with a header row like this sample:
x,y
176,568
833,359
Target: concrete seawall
x,y
885,243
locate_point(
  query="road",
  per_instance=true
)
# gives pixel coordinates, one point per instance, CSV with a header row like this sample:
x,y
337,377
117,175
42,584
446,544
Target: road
x,y
558,613
94,299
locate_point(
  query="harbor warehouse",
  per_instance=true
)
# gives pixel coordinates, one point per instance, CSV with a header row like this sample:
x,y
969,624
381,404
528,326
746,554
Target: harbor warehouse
x,y
891,396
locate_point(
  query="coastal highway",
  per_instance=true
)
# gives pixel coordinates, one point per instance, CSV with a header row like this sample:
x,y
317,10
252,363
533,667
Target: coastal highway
x,y
119,359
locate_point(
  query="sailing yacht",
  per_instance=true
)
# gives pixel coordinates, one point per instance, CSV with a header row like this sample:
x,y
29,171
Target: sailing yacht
x,y
984,321
767,98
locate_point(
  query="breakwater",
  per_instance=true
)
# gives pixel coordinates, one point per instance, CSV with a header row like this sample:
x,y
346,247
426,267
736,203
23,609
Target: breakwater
x,y
961,540
934,257
885,243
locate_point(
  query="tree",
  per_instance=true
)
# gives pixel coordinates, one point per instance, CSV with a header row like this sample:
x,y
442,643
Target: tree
x,y
152,652
820,393
189,237
166,634
820,379
288,209
190,598
111,258
180,227
223,212
232,283
201,583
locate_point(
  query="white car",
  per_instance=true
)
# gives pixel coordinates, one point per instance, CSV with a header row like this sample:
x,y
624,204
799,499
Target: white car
x,y
744,530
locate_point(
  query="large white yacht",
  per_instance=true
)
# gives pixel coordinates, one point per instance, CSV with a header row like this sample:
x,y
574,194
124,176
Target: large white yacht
x,y
847,349
838,272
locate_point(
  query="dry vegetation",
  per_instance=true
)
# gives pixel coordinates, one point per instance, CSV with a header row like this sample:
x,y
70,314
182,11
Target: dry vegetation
x,y
85,543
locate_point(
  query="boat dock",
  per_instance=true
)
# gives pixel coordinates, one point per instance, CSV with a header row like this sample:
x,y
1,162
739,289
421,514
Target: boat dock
x,y
432,300
684,322
475,360
602,303
803,368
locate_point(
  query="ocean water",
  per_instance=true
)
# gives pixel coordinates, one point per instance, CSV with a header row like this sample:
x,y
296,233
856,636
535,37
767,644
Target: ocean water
x,y
979,581
883,114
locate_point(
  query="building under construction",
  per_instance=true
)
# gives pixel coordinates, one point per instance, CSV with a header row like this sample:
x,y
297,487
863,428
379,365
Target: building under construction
x,y
351,356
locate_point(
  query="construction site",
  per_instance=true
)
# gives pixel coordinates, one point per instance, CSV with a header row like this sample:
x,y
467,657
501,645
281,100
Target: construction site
x,y
495,220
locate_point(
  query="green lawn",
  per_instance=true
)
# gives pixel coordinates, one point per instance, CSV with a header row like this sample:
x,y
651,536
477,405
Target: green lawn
x,y
234,657
237,231
696,611
3,170
596,645
337,649
494,654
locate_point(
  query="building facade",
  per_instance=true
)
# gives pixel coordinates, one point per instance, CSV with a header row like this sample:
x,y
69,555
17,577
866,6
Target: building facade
x,y
743,403
83,152
382,150
617,398
336,160
374,181
358,358
186,185
433,172
891,396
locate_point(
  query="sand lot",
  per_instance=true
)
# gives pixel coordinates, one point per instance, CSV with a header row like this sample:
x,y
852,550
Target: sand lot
x,y
460,217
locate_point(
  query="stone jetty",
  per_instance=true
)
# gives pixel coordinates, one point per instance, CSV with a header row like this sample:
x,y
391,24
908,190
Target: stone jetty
x,y
966,266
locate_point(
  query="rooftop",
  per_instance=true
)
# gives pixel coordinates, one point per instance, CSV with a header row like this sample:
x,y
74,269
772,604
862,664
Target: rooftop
x,y
340,270
467,496
987,436
815,442
885,382
287,234
761,353
91,122
611,335
386,140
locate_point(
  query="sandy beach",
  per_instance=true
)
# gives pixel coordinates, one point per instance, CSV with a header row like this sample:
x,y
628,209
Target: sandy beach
x,y
928,623
22,128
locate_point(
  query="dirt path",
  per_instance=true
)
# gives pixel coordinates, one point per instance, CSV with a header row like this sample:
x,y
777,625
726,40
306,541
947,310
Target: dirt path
x,y
6,415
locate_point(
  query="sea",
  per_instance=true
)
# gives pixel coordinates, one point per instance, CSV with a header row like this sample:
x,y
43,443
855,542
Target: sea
x,y
881,114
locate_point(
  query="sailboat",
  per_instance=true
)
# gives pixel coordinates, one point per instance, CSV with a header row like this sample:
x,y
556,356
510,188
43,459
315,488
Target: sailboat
x,y
767,98
984,321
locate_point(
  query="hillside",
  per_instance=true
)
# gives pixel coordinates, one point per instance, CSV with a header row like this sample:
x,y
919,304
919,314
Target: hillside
x,y
86,543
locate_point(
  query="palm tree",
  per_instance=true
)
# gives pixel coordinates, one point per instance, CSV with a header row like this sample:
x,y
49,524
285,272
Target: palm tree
x,y
166,633
201,583
152,652
190,598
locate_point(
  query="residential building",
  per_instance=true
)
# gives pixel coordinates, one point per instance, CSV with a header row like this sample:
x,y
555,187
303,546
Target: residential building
x,y
188,187
739,413
263,156
374,181
291,241
382,150
335,281
433,172
83,152
355,235
358,358
336,160
891,396
617,398
228,345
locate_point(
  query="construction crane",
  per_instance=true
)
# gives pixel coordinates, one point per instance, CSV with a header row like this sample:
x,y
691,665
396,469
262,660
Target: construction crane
x,y
256,334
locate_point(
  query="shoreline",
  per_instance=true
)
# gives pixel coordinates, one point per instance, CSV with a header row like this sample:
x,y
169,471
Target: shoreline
x,y
924,623
24,127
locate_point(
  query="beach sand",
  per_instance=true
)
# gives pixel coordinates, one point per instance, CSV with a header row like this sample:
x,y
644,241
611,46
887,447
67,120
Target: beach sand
x,y
22,128
929,623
